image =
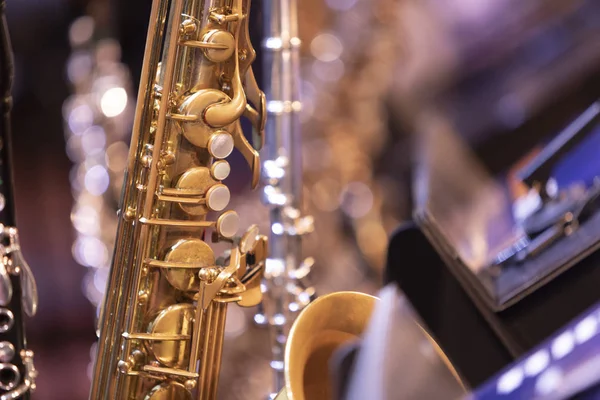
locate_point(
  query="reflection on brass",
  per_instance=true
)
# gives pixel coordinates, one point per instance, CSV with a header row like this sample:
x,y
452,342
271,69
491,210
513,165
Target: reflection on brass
x,y
163,323
322,327
199,132
249,239
169,391
222,38
198,180
187,252
174,320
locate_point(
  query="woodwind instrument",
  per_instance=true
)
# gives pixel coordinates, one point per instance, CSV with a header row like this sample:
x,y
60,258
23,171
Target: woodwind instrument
x,y
96,144
18,292
162,322
97,120
286,291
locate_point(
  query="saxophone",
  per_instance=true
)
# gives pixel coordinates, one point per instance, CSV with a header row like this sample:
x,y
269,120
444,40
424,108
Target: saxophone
x,y
286,289
18,292
162,323
98,148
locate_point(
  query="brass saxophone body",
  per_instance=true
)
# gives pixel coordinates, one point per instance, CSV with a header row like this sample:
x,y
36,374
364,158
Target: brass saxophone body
x,y
162,324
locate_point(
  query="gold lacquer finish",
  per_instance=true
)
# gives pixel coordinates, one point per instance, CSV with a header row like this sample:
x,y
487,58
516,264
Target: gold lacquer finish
x,y
163,319
321,328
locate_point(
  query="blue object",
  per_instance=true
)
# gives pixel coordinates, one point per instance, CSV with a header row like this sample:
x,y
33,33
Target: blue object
x,y
582,164
565,365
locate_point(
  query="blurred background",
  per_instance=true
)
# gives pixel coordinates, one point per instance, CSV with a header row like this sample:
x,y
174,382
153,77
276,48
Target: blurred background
x,y
504,74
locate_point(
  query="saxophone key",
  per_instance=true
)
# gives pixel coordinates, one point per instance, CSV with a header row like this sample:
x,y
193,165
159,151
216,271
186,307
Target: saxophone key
x,y
172,321
196,127
188,251
216,198
220,170
169,391
258,114
220,144
248,152
226,226
197,192
218,37
249,240
252,295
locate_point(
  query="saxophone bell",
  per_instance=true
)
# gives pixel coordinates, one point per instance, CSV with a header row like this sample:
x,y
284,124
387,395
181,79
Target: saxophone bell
x,y
325,325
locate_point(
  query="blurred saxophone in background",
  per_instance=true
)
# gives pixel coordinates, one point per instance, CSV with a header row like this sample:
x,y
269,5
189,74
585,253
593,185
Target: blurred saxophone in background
x,y
354,203
285,292
97,119
162,324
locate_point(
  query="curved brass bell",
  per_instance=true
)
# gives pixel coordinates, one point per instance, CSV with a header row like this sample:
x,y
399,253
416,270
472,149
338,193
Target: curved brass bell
x,y
321,328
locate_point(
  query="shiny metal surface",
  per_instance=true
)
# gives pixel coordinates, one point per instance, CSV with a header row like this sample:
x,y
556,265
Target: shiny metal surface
x,y
163,320
286,289
398,358
16,390
10,376
322,327
15,264
18,290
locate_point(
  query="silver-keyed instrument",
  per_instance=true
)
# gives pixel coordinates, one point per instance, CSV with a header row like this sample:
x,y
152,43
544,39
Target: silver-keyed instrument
x,y
285,289
18,292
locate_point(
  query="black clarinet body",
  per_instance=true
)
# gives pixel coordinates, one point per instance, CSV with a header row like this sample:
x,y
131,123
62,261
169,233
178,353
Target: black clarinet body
x,y
18,295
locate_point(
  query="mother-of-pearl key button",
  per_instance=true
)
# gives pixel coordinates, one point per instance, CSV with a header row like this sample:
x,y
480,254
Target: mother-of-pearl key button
x,y
217,197
220,170
249,240
228,224
220,144
199,181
